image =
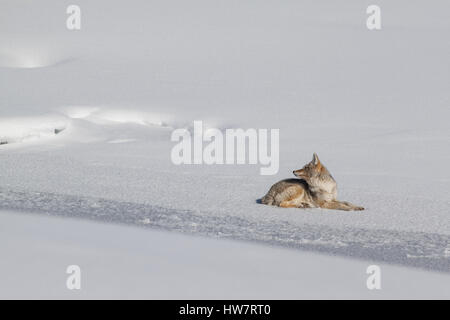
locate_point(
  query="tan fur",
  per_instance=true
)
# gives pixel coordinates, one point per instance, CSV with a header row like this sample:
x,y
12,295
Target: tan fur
x,y
316,188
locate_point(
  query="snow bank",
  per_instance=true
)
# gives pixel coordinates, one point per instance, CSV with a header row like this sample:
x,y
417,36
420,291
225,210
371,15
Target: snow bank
x,y
26,129
81,124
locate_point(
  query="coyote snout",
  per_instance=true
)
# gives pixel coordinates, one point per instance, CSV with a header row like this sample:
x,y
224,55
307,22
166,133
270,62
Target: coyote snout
x,y
316,188
300,173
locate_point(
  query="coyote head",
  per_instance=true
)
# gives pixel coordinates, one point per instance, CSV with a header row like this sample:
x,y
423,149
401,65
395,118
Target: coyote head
x,y
316,175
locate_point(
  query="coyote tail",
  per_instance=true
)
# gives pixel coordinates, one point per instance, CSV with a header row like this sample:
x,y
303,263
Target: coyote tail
x,y
267,199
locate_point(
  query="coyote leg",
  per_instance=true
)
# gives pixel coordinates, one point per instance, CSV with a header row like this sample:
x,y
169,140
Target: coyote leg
x,y
293,198
288,204
340,205
352,206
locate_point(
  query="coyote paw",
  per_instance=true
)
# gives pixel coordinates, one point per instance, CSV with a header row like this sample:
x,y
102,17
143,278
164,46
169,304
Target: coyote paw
x,y
356,208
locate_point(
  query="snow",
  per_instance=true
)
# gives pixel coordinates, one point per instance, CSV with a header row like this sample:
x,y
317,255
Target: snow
x,y
127,262
374,105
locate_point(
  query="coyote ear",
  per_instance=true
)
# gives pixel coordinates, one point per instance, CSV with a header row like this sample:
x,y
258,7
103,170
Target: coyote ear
x,y
315,159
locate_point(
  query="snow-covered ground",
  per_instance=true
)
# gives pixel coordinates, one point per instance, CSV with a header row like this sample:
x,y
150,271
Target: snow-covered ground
x,y
87,116
127,262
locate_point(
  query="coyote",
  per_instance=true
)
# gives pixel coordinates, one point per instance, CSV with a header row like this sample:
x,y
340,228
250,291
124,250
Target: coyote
x,y
316,188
